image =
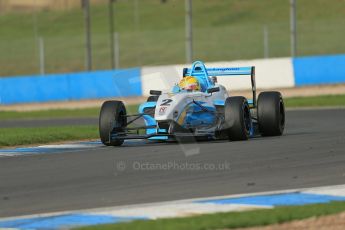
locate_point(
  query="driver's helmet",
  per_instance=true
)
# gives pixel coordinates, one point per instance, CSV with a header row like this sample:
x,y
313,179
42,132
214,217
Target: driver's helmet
x,y
189,83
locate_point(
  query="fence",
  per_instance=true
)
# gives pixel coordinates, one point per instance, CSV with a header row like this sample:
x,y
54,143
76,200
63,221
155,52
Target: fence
x,y
153,33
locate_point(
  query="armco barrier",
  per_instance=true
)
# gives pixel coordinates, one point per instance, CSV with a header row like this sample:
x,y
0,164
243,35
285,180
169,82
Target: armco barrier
x,y
270,73
71,86
319,70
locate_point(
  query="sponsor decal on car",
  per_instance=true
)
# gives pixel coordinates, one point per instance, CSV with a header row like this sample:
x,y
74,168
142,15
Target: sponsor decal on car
x,y
162,110
166,102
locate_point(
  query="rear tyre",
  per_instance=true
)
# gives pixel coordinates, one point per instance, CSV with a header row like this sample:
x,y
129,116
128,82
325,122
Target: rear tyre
x,y
238,121
271,113
112,119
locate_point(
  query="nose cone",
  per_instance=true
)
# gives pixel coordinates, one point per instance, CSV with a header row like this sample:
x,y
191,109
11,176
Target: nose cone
x,y
169,106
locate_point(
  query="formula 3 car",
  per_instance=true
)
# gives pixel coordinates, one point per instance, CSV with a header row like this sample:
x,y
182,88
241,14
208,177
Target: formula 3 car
x,y
207,114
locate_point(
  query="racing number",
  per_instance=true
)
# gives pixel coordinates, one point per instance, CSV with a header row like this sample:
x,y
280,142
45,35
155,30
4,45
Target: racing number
x,y
166,102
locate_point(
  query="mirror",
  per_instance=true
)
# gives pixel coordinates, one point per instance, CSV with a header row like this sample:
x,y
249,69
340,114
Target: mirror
x,y
213,90
155,92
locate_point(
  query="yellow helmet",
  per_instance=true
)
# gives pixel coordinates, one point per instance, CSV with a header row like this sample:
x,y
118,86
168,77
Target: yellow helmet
x,y
189,83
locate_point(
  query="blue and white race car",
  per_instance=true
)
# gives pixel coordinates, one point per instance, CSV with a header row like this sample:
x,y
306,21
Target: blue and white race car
x,y
197,108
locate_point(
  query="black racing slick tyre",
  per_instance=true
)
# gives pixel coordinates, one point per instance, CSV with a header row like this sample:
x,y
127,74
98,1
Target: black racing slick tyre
x,y
271,113
112,119
237,118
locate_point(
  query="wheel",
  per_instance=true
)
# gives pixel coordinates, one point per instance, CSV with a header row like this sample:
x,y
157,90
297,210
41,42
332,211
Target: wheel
x,y
271,113
152,98
112,118
237,117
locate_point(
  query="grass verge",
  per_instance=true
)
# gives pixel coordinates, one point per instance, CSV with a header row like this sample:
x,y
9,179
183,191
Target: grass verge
x,y
57,113
46,114
231,219
41,135
316,101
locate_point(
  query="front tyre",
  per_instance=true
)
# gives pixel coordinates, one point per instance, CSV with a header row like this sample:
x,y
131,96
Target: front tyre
x,y
237,118
112,119
271,113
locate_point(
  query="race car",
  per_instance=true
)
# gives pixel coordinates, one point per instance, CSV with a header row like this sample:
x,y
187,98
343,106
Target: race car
x,y
198,107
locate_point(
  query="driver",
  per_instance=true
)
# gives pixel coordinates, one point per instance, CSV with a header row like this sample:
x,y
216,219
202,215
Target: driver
x,y
189,83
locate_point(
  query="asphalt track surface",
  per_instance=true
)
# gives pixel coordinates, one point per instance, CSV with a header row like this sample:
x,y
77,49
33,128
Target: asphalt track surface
x,y
310,153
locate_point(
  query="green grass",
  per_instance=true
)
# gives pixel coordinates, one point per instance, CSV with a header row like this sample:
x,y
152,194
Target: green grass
x,y
231,219
57,113
41,135
223,30
46,114
315,101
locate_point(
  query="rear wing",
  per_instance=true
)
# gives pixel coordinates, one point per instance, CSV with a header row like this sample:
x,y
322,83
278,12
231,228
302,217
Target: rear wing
x,y
199,70
221,71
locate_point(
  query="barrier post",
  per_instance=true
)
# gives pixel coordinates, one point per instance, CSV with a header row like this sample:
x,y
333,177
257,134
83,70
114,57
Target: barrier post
x,y
189,31
41,55
293,28
117,50
88,61
266,45
111,32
